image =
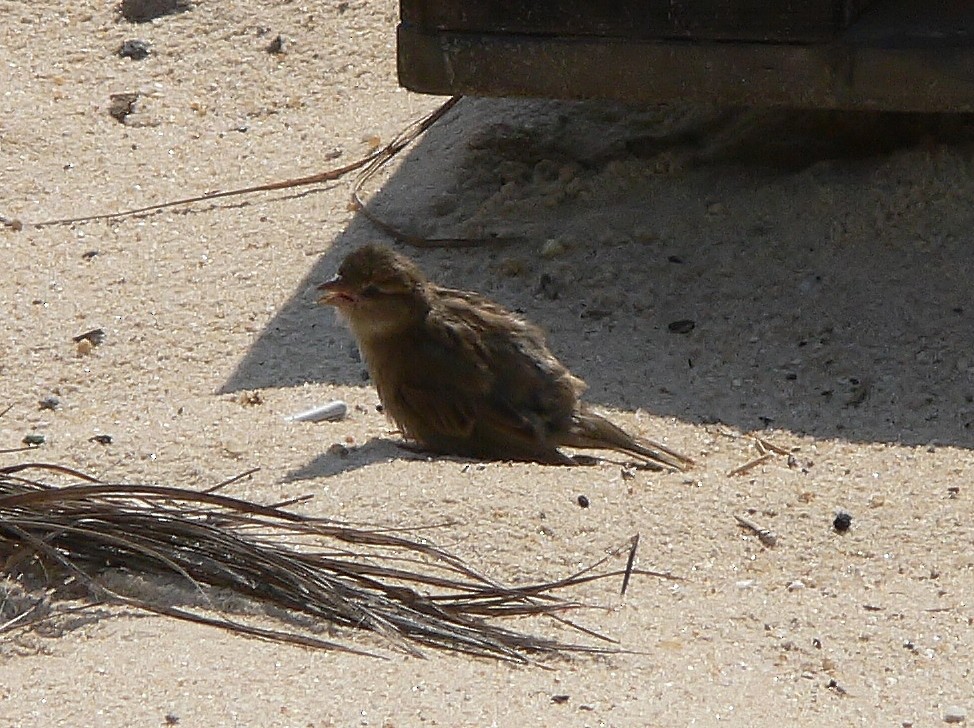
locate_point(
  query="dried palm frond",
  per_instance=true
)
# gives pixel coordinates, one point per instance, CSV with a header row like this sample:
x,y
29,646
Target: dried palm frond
x,y
403,588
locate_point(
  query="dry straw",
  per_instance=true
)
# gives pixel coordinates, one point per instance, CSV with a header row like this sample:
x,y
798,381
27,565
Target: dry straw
x,y
403,588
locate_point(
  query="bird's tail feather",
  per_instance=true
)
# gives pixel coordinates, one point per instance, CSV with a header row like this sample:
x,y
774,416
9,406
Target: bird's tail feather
x,y
594,431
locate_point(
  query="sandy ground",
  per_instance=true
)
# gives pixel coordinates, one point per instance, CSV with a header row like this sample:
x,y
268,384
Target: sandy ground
x,y
824,261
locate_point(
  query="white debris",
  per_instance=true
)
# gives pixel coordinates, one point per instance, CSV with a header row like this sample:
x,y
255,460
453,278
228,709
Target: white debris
x,y
332,411
955,714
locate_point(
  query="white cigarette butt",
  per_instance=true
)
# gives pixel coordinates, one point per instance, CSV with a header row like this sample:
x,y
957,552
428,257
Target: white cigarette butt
x,y
332,411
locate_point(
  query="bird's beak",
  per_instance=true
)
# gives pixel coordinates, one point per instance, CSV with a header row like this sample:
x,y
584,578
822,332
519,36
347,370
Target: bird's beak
x,y
336,292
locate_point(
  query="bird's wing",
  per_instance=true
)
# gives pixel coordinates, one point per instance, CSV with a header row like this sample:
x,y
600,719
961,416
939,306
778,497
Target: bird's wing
x,y
525,384
444,380
443,413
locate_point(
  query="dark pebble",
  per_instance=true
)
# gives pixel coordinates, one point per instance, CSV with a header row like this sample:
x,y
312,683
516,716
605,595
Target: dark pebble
x,y
95,336
278,46
136,49
121,105
101,439
842,522
683,326
338,450
583,501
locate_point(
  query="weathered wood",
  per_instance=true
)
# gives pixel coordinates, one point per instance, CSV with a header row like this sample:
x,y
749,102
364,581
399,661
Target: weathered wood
x,y
896,57
763,20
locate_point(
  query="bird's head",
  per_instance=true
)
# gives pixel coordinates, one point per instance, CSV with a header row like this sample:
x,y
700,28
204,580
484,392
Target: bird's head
x,y
376,291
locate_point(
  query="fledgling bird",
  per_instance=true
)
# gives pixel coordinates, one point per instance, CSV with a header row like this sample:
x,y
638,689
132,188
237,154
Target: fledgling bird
x,y
461,375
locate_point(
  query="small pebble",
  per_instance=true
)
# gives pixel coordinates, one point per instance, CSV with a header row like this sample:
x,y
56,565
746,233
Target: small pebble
x,y
278,46
553,248
136,49
34,439
101,439
333,411
12,223
49,403
95,336
833,685
121,105
955,714
796,585
250,398
683,326
339,450
85,347
235,448
583,501
842,522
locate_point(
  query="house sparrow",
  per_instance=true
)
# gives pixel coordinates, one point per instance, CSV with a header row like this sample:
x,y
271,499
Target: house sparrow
x,y
461,375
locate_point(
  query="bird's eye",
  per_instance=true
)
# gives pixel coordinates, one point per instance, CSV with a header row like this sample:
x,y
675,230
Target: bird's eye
x,y
370,290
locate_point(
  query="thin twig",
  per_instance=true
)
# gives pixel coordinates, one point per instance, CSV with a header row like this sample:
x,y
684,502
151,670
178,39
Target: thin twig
x,y
326,176
765,535
750,465
629,563
230,481
385,153
22,617
403,140
767,445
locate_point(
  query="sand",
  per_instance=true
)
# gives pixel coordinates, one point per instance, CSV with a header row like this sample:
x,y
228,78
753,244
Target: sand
x,y
823,260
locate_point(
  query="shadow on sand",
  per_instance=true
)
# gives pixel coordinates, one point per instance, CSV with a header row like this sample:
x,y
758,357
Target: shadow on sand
x,y
825,261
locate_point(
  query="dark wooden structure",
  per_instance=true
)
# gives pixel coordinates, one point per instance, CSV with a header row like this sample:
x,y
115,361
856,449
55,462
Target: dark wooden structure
x,y
902,55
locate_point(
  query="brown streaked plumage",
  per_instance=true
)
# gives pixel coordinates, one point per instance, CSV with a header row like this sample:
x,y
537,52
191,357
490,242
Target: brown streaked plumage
x,y
462,375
